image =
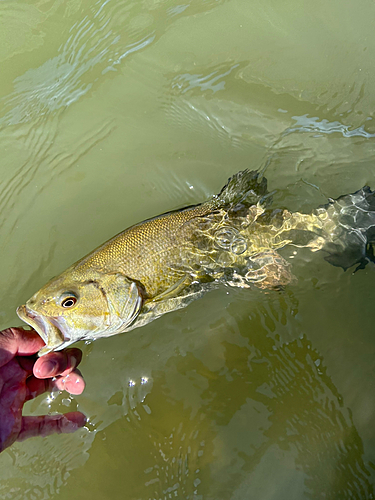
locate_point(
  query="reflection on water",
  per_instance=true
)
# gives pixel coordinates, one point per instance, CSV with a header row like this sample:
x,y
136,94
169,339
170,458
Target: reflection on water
x,y
213,82
113,111
306,124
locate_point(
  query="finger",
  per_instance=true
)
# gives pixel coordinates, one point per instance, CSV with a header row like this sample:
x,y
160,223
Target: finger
x,y
36,386
57,363
51,424
72,383
27,363
17,341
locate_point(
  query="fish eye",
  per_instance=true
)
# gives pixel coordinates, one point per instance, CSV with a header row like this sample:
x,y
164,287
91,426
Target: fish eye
x,y
68,300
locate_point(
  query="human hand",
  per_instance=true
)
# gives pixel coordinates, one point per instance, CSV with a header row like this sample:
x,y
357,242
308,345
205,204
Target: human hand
x,y
23,376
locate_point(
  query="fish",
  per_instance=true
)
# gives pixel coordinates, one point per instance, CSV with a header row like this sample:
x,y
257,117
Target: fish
x,y
164,263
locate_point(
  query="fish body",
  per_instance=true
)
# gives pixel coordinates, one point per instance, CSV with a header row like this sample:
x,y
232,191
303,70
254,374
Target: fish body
x,y
164,263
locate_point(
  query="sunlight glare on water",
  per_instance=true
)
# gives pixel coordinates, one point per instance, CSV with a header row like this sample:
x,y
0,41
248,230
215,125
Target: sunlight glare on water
x,y
114,111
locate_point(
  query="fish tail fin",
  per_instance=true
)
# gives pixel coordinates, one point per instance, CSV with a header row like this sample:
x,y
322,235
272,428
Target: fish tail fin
x,y
353,240
245,188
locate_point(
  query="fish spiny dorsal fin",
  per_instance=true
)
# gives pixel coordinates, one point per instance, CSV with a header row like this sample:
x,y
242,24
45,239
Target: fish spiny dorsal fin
x,y
245,188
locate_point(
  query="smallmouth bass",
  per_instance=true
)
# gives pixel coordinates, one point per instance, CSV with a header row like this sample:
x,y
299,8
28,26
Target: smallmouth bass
x,y
163,263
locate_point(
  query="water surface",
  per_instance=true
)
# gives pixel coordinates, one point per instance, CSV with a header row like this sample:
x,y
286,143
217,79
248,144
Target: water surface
x,y
115,111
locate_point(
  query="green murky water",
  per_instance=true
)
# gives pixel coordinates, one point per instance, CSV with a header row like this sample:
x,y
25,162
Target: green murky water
x,y
115,111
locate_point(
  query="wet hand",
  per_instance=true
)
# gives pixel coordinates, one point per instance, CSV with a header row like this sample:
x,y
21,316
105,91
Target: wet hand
x,y
23,376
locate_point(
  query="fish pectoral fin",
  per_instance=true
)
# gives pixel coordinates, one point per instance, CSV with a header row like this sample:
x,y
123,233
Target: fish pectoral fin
x,y
124,298
174,290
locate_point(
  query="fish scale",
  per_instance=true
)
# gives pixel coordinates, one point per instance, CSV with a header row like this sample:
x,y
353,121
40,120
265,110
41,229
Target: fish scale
x,y
150,252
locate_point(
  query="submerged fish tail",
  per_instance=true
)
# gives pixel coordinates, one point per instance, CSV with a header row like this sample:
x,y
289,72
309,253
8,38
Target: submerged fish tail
x,y
352,238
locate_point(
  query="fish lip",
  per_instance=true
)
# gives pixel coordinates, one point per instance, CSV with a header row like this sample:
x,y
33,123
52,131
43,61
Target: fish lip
x,y
44,328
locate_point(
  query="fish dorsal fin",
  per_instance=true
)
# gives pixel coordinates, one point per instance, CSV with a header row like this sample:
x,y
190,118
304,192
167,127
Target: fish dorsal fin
x,y
247,188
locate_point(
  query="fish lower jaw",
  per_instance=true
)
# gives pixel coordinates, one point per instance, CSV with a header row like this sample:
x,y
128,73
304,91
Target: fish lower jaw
x,y
49,333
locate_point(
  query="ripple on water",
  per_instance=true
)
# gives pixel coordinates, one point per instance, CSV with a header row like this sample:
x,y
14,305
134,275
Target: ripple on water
x,y
92,44
32,113
41,467
42,158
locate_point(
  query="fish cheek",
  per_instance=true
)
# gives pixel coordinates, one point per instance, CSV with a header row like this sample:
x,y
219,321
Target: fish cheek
x,y
89,314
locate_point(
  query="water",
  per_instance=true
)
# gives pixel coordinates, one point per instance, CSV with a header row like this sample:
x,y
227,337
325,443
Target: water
x,y
115,111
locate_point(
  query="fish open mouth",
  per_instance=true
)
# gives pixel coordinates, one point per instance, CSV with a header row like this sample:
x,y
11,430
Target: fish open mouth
x,y
44,328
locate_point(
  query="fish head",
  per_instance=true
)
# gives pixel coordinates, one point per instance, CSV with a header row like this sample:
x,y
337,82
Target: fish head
x,y
74,307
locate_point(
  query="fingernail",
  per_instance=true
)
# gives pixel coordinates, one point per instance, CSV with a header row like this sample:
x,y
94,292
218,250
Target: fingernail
x,y
48,368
